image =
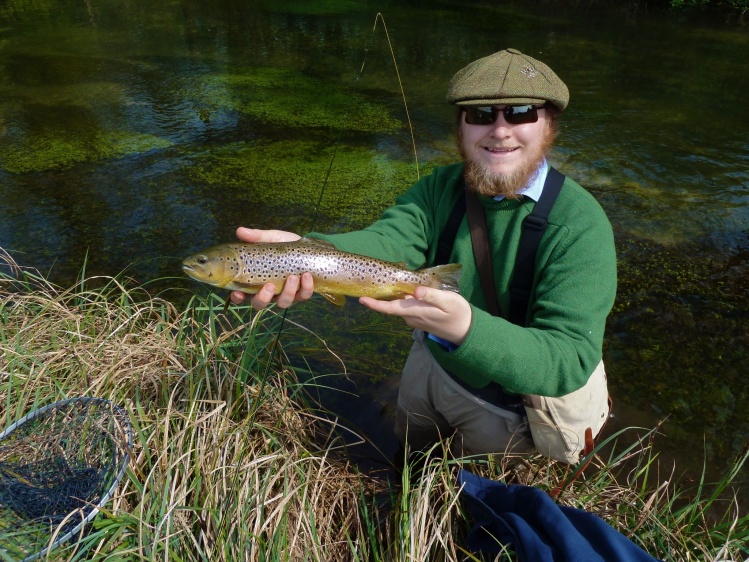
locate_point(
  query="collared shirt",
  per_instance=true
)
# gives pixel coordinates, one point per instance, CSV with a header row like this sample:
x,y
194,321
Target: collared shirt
x,y
535,185
532,190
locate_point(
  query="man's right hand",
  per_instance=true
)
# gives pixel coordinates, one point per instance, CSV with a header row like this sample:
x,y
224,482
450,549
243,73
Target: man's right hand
x,y
295,289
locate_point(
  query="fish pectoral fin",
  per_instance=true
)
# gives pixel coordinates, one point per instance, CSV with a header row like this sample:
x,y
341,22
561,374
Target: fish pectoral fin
x,y
338,300
250,288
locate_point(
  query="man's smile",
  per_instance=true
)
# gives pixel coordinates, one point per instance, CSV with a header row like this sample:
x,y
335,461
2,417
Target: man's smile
x,y
500,150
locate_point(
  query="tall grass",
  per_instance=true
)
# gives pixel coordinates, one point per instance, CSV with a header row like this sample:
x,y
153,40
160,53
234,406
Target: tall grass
x,y
227,465
230,462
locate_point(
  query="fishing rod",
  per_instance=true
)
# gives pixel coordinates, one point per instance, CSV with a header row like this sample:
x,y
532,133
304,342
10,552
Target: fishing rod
x,y
316,214
378,17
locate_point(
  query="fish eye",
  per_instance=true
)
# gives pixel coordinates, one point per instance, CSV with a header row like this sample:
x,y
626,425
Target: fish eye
x,y
202,260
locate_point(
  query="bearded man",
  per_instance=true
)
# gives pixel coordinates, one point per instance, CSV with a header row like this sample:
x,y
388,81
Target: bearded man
x,y
468,367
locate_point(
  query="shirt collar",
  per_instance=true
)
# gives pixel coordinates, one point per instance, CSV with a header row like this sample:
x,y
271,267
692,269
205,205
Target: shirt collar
x,y
535,185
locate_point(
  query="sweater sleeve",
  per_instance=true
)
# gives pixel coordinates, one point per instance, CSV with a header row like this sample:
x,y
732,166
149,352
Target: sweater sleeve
x,y
405,232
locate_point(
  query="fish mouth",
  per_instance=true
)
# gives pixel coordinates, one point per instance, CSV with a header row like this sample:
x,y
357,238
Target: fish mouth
x,y
187,268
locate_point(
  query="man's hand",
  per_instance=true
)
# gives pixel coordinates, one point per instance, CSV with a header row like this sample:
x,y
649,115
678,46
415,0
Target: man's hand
x,y
445,314
253,235
295,289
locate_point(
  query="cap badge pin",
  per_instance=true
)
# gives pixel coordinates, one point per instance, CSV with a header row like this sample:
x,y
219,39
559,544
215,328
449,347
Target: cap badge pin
x,y
529,71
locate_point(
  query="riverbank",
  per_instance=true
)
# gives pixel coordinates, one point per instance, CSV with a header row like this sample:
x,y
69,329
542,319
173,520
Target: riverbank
x,y
232,460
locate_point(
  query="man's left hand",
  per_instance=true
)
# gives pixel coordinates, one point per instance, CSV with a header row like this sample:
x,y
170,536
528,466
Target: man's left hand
x,y
445,314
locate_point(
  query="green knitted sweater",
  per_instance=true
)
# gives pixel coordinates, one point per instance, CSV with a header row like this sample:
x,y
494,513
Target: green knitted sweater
x,y
572,294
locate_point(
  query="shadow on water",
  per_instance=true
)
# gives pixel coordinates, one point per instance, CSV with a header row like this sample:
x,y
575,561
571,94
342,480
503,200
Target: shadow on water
x,y
133,134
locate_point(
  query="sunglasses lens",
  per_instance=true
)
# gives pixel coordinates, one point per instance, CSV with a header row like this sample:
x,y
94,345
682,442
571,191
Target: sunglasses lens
x,y
513,114
480,115
517,114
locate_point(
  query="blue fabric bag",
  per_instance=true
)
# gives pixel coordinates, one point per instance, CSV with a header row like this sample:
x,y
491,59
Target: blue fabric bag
x,y
538,529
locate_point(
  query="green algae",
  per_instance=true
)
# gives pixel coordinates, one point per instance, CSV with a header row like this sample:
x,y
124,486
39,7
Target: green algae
x,y
288,98
56,128
361,184
678,340
55,150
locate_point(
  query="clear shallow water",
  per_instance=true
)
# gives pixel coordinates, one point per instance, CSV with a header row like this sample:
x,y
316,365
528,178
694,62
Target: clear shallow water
x,y
132,134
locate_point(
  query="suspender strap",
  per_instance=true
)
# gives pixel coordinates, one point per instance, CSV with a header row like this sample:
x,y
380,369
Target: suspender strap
x,y
447,238
525,261
533,226
481,250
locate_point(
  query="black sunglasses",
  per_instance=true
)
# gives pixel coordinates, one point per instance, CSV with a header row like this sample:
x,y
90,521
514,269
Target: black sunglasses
x,y
513,114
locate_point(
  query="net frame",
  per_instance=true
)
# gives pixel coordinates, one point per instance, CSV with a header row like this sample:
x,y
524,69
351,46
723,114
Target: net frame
x,y
43,536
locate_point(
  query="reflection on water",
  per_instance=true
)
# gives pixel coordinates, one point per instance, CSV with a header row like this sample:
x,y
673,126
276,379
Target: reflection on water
x,y
133,134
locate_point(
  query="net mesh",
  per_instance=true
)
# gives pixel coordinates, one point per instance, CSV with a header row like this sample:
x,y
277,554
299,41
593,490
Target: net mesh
x,y
56,466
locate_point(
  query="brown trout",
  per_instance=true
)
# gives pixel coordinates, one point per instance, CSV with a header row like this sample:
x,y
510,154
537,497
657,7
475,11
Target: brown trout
x,y
247,267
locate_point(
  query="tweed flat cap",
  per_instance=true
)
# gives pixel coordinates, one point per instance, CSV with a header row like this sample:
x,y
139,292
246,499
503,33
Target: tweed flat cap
x,y
507,77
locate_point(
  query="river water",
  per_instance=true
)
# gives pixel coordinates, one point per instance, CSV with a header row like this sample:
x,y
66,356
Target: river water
x,y
134,133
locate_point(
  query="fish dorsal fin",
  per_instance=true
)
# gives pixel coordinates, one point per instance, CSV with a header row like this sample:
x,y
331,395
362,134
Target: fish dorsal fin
x,y
338,300
316,242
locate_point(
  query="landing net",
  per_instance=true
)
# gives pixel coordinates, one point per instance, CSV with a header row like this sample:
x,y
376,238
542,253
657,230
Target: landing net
x,y
58,466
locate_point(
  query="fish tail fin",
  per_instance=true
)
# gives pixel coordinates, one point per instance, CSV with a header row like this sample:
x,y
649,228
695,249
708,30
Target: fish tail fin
x,y
446,276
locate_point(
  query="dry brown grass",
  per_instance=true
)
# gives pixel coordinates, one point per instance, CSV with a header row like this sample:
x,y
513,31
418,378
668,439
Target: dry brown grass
x,y
226,465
